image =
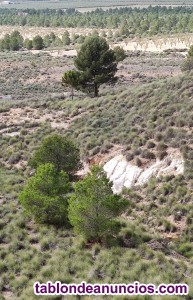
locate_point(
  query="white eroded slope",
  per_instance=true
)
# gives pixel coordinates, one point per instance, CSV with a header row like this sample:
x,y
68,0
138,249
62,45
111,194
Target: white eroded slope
x,y
125,174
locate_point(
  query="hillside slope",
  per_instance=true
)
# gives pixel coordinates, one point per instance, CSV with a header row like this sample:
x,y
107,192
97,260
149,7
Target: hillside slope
x,y
156,241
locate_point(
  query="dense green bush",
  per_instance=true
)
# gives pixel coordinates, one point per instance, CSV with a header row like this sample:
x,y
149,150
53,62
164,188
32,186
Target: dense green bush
x,y
45,195
120,54
13,41
59,151
38,42
93,207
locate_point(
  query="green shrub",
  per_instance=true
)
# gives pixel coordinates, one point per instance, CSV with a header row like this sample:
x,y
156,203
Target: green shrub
x,y
59,151
150,144
186,249
138,162
161,154
161,146
93,207
129,156
147,154
45,195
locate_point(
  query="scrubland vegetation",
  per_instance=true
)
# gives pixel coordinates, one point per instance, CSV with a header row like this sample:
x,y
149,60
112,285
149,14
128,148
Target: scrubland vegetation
x,y
147,113
155,242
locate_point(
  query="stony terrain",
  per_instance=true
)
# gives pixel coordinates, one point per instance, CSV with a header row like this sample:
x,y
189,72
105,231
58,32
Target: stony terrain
x,y
124,174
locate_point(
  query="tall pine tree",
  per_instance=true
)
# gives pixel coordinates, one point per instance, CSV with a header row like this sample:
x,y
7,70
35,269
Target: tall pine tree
x,y
96,64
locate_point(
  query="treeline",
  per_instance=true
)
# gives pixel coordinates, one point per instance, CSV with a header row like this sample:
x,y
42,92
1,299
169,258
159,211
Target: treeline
x,y
127,21
15,41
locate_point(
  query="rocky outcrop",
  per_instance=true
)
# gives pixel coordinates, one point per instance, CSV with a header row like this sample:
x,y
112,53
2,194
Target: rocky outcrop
x,y
125,174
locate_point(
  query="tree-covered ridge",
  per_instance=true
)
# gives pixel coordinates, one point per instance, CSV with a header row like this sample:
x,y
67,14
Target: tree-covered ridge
x,y
128,21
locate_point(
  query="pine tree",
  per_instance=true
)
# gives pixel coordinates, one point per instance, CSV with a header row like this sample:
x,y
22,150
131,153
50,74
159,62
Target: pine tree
x,y
96,64
93,208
